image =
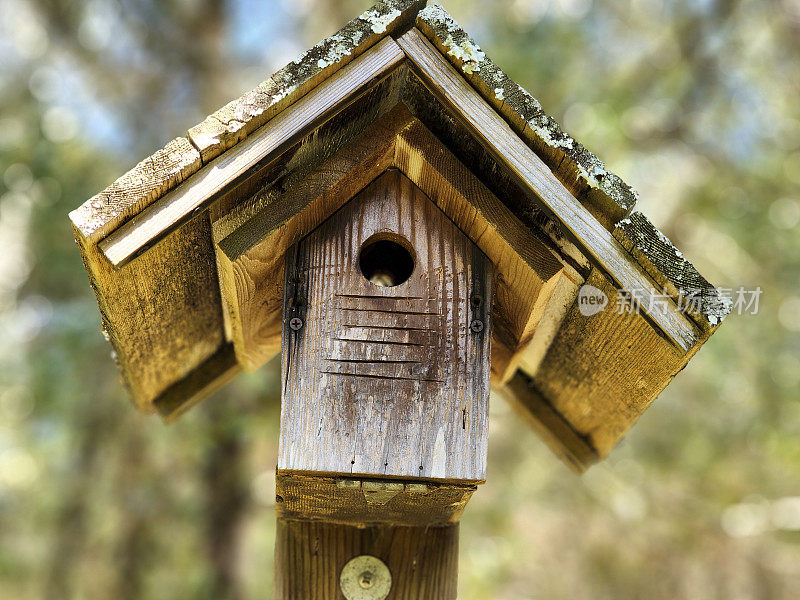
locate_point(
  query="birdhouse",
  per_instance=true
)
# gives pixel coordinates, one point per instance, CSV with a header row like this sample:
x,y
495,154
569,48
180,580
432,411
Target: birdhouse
x,y
407,226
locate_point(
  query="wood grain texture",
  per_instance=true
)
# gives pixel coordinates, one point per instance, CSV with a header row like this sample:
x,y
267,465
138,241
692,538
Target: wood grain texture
x,y
162,313
354,501
135,190
671,271
552,427
205,379
461,141
602,192
247,210
241,117
158,219
602,371
253,239
310,555
523,258
556,296
586,231
259,231
351,402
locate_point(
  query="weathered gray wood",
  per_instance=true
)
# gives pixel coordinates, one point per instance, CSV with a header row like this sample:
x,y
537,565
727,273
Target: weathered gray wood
x,y
351,402
587,232
135,190
602,192
671,271
524,256
158,219
255,236
241,117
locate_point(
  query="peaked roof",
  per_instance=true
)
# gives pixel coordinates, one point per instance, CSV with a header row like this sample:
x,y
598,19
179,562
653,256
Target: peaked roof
x,y
159,244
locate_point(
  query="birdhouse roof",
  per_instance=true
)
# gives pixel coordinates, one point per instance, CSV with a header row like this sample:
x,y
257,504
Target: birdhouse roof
x,y
595,311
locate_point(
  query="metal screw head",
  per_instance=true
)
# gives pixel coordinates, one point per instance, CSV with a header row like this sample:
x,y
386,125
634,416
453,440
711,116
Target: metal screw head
x,y
365,578
476,326
295,323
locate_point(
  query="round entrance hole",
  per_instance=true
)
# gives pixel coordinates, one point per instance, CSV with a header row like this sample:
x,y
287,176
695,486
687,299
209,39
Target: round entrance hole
x,y
385,262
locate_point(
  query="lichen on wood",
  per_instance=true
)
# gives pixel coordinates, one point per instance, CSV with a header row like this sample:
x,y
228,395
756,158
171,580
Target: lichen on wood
x,y
586,176
237,119
136,189
670,270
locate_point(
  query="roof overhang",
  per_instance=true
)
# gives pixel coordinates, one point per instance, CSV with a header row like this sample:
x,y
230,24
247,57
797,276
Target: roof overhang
x,y
185,252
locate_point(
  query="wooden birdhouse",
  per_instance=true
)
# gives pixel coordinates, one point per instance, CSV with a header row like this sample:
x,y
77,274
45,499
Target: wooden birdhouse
x,y
406,225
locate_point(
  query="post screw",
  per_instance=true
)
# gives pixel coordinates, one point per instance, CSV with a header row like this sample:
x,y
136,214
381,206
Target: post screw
x,y
295,323
476,326
365,578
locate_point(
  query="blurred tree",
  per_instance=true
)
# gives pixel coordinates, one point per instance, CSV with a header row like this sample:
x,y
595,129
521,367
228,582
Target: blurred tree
x,y
694,103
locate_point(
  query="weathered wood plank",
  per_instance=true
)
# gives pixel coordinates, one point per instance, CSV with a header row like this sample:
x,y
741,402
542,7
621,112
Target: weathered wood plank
x,y
601,371
310,555
602,192
353,501
161,313
671,271
206,378
587,232
241,117
251,264
135,190
421,419
157,220
252,240
460,140
551,426
523,258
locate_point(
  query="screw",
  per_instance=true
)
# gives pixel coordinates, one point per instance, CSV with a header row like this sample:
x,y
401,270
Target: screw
x,y
476,326
295,323
366,580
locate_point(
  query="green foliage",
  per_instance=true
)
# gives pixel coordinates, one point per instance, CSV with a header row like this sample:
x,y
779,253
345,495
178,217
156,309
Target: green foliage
x,y
693,103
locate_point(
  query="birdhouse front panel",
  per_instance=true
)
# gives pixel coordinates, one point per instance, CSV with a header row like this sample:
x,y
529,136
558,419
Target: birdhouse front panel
x,y
386,342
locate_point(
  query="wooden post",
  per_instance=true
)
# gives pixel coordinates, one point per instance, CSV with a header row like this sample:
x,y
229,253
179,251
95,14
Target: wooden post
x,y
310,556
385,398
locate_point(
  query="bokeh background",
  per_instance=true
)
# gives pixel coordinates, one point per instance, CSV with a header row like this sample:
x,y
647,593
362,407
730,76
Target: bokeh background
x,y
696,103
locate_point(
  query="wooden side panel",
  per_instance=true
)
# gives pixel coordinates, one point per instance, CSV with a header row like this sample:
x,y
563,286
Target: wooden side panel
x,y
603,370
387,381
162,312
